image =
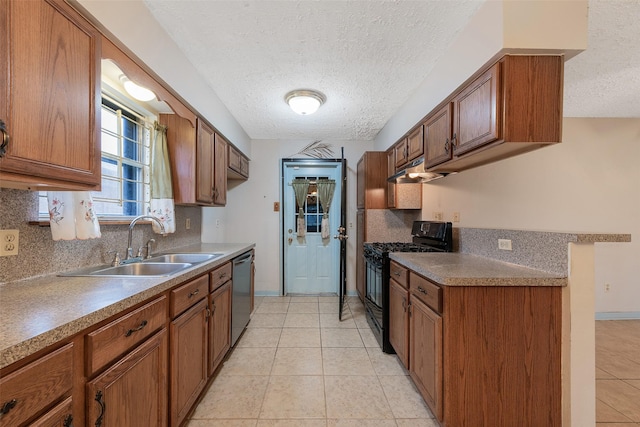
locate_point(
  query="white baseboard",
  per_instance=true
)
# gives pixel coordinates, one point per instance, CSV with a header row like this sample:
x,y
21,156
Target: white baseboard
x,y
618,315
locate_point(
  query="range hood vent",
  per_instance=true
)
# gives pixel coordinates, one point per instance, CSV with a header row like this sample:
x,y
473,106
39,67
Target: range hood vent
x,y
414,173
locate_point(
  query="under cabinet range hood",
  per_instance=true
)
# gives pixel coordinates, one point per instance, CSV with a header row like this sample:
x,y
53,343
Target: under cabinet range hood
x,y
414,173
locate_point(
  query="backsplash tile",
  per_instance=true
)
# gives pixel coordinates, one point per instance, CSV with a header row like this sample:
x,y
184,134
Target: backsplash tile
x,y
40,255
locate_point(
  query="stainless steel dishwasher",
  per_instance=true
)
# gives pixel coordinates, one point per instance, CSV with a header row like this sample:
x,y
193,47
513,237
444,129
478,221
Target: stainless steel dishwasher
x,y
241,295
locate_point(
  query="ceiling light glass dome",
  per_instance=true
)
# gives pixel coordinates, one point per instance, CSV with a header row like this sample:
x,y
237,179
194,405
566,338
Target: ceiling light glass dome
x,y
305,102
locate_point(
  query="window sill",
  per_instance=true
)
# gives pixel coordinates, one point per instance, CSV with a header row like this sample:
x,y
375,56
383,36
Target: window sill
x,y
101,221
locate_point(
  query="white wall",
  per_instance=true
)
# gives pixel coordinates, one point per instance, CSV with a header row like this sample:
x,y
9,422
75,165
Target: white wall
x,y
249,215
590,182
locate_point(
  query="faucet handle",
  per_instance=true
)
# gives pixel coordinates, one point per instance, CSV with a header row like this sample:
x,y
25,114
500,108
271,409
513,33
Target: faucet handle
x,y
116,259
149,249
139,254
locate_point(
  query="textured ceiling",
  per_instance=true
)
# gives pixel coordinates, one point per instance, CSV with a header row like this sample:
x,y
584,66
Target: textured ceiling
x,y
367,57
604,80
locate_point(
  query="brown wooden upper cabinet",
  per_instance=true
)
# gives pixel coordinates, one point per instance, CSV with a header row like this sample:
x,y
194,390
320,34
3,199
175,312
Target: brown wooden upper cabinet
x,y
437,137
194,154
391,186
220,171
238,164
49,92
415,144
372,180
509,108
401,153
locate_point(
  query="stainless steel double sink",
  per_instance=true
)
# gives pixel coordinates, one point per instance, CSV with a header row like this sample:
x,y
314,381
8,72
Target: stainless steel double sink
x,y
156,266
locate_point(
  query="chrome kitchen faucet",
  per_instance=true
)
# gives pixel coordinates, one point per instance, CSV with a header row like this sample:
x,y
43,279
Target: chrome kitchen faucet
x,y
129,257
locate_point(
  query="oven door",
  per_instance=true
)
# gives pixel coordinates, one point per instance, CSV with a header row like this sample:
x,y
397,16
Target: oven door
x,y
373,280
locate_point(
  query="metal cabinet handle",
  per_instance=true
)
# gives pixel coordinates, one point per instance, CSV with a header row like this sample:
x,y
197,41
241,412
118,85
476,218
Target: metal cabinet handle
x,y
131,331
404,304
454,140
7,406
396,273
100,401
446,146
422,290
5,139
68,421
213,308
194,293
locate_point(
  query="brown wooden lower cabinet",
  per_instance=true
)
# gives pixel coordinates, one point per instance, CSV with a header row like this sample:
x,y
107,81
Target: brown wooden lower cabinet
x,y
485,355
425,354
399,320
219,325
188,360
37,386
133,392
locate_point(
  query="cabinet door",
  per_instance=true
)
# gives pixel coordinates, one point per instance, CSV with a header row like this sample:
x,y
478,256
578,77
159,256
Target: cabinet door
x,y
476,112
220,171
425,354
391,187
219,325
188,360
59,416
205,149
401,153
181,140
133,392
361,183
49,93
399,321
437,137
415,144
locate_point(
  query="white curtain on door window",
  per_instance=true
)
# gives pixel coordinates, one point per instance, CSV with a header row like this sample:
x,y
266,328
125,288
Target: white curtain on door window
x,y
300,189
326,188
71,215
161,205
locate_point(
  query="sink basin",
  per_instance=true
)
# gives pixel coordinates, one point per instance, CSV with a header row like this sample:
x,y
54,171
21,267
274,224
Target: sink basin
x,y
138,269
189,258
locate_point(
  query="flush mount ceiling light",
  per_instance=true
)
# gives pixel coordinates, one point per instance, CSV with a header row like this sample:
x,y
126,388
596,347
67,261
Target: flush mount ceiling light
x,y
304,102
138,92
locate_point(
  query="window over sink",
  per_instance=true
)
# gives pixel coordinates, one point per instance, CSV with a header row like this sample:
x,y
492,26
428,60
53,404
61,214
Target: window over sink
x,y
126,130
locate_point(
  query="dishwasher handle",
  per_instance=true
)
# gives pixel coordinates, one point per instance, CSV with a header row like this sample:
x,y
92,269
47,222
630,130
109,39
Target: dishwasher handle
x,y
242,259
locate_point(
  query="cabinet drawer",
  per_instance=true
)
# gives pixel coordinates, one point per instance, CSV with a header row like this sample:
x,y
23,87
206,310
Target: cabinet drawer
x,y
220,275
36,386
60,416
426,291
188,294
399,274
124,333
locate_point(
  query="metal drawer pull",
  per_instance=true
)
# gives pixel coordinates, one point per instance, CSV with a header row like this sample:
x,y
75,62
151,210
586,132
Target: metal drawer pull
x,y
422,290
5,139
222,276
192,294
7,406
68,421
131,331
396,273
100,401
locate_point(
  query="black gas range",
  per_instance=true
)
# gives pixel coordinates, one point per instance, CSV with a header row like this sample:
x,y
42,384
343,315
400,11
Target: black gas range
x,y
427,236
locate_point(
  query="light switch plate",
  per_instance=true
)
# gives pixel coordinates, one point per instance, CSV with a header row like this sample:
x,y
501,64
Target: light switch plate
x,y
9,242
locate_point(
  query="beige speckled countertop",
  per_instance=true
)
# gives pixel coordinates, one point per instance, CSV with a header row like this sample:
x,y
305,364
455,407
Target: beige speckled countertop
x,y
456,269
36,313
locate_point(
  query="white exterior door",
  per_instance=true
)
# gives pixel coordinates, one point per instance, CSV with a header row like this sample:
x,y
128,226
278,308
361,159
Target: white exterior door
x,y
311,263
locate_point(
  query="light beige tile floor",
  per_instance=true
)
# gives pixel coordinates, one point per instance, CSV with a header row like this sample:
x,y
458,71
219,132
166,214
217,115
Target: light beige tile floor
x,y
618,373
296,365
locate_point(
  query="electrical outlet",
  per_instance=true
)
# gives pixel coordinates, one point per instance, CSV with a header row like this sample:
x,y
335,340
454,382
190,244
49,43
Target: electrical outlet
x,y
217,223
187,224
456,217
607,287
9,242
437,216
504,244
